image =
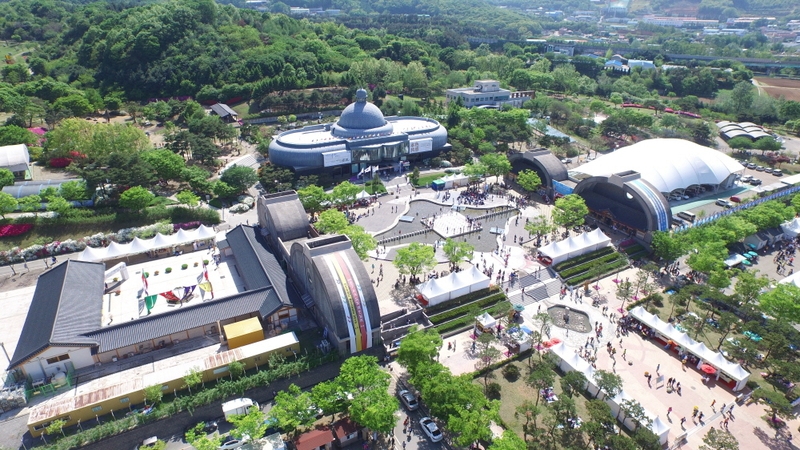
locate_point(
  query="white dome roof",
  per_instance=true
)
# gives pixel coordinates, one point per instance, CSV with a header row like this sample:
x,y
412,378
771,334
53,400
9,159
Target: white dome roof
x,y
361,115
668,164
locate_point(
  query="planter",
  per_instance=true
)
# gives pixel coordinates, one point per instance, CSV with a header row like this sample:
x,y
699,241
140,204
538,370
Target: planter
x,y
205,262
155,273
117,292
115,279
168,270
196,264
185,266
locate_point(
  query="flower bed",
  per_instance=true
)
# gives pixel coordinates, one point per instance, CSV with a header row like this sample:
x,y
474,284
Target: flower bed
x,y
15,229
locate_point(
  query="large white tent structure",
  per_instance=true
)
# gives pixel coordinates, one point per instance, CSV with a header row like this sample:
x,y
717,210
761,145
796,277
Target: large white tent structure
x,y
137,246
576,246
726,370
15,158
457,284
668,164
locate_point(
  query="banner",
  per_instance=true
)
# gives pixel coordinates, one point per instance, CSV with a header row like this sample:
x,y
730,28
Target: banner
x,y
170,296
206,286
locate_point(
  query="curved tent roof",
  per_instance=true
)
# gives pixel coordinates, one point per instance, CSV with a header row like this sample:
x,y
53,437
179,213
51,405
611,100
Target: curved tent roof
x,y
15,157
668,164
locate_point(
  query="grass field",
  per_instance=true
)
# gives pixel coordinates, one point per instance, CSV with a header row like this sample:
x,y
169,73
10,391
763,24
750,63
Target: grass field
x,y
426,180
15,49
780,87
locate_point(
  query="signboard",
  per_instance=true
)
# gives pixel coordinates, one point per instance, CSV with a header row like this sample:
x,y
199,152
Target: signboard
x,y
336,158
561,188
420,145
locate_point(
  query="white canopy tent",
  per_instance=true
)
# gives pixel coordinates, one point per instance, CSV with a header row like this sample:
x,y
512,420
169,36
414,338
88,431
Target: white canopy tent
x,y
575,246
660,429
725,369
793,278
451,181
457,284
734,259
137,246
486,321
791,228
15,158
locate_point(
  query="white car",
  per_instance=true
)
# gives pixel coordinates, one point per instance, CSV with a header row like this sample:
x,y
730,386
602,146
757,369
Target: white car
x,y
231,443
430,428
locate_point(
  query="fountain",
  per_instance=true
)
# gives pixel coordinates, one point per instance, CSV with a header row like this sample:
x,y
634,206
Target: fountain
x,y
570,319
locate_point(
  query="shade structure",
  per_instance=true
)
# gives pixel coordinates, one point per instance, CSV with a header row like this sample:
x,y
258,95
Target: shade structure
x,y
138,245
660,429
791,228
708,368
486,320
575,246
362,194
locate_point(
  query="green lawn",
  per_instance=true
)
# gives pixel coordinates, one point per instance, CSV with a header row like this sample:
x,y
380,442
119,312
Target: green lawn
x,y
15,49
426,180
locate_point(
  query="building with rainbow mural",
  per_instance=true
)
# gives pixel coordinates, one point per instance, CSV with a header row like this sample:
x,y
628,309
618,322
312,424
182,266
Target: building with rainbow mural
x,y
330,278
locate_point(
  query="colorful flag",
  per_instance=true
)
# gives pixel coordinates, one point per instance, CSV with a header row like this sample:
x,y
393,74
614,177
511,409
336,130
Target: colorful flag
x,y
205,272
170,296
187,291
206,286
150,302
144,282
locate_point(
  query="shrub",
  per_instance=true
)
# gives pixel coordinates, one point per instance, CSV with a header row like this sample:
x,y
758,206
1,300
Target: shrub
x,y
657,299
583,258
493,391
168,270
14,230
511,372
464,309
653,310
184,266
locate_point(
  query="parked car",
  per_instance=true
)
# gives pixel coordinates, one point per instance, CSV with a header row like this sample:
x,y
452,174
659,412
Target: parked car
x,y
231,443
767,169
408,400
759,168
724,203
750,165
755,181
147,443
735,199
430,428
777,172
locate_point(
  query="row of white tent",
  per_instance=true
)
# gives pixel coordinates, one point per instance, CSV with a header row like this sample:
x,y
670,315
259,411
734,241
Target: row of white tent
x,y
570,361
576,246
791,228
704,354
457,284
137,246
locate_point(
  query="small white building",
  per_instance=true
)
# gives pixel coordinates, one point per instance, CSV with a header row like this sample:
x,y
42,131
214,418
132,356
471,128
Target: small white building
x,y
488,93
15,158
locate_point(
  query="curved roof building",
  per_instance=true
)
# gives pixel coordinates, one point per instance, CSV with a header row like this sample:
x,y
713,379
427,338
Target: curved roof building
x,y
667,164
361,138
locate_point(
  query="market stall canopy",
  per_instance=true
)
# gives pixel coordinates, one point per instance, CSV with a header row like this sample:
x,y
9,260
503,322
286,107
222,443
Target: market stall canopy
x,y
457,284
486,320
576,246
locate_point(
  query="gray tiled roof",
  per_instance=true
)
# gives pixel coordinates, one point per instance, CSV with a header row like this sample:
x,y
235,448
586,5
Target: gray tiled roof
x,y
66,304
223,110
155,326
257,265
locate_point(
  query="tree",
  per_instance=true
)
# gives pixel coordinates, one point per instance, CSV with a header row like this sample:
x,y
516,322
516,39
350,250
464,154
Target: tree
x,y
332,221
13,135
6,178
239,177
74,190
509,441
475,170
344,193
58,205
540,226
251,424
7,204
570,211
719,440
313,198
473,423
153,394
624,291
330,397
224,190
529,180
667,246
781,303
616,99
293,409
774,401
418,348
193,378
30,203
56,426
573,382
362,242
456,251
167,164
608,383
740,143
187,198
200,441
497,164
415,259
136,198
633,410
487,354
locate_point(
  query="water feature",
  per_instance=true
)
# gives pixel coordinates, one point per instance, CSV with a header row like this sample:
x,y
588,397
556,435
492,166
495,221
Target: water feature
x,y
570,319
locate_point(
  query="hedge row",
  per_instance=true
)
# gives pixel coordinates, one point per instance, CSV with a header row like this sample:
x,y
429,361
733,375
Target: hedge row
x,y
634,249
461,310
607,269
223,388
588,265
462,322
469,298
583,258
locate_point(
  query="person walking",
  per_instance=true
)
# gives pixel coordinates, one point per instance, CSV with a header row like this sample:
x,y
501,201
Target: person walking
x,y
713,402
683,420
695,411
669,410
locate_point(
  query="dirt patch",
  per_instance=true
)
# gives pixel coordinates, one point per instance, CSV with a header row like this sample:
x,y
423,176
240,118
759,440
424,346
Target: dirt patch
x,y
778,82
787,93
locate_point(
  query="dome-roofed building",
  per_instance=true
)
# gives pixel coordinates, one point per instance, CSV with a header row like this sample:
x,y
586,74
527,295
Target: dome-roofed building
x,y
361,138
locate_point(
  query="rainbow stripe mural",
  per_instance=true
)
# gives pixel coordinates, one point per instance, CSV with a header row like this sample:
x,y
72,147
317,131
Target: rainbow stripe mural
x,y
353,301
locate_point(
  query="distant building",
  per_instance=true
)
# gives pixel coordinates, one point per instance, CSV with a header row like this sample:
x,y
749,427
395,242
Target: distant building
x,y
679,22
15,158
488,93
619,64
568,50
299,11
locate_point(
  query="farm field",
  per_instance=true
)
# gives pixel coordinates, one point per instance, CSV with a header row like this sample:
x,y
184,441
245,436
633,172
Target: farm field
x,y
780,87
